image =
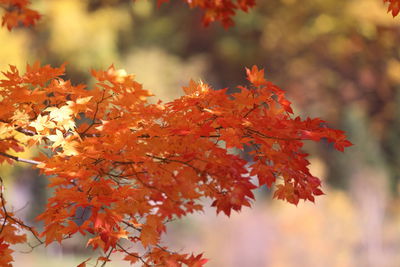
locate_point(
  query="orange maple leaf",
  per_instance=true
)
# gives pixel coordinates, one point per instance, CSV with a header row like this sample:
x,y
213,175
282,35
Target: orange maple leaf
x,y
394,6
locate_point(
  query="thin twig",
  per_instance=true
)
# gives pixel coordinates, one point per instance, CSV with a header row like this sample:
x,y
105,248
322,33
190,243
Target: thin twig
x,y
95,114
30,161
133,255
107,257
8,217
273,137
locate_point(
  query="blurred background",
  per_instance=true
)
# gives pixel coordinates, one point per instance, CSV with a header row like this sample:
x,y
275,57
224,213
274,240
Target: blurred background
x,y
337,60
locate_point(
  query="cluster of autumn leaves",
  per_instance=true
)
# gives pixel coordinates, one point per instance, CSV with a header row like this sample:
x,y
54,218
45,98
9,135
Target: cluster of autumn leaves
x,y
121,167
19,12
128,166
394,6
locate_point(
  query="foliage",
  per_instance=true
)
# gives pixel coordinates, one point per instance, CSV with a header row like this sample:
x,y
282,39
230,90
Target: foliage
x,y
219,10
121,168
177,153
394,6
17,11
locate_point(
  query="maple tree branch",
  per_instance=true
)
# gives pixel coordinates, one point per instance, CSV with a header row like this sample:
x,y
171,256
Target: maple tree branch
x,y
26,131
30,161
107,257
127,162
273,137
20,129
32,247
33,232
41,243
133,255
95,114
166,250
124,176
132,226
198,171
156,136
157,189
166,160
250,111
3,206
8,217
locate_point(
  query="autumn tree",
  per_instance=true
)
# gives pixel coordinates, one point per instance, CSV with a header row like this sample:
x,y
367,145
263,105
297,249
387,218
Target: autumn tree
x,y
122,167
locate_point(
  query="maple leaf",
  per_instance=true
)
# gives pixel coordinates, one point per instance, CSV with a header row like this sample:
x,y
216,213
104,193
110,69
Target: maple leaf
x,y
42,123
40,75
5,254
149,236
18,12
132,258
256,76
57,139
20,117
101,258
11,19
192,88
181,131
206,130
83,264
195,88
264,174
53,232
62,116
79,105
96,242
215,10
69,148
9,235
196,261
394,6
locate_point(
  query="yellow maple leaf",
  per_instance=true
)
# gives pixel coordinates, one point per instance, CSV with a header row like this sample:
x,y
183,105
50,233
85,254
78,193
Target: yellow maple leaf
x,y
42,123
57,139
20,117
62,116
70,148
